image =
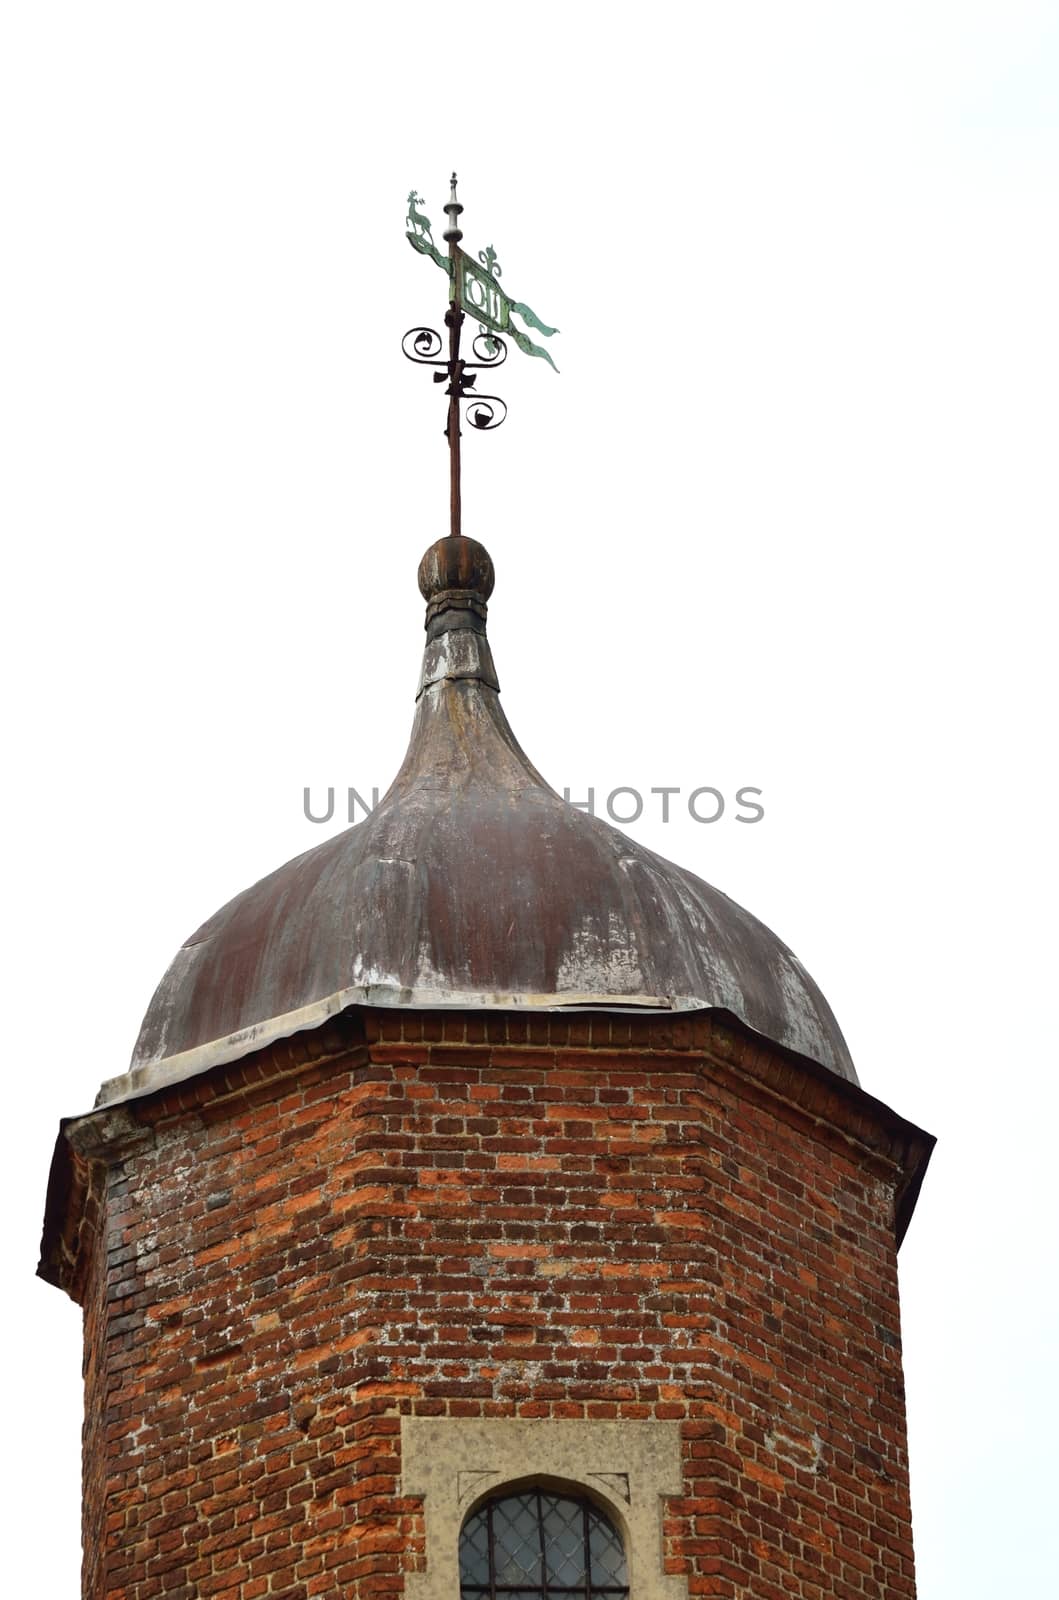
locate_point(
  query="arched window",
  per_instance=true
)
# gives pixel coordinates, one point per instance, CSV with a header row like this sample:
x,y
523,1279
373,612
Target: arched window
x,y
536,1545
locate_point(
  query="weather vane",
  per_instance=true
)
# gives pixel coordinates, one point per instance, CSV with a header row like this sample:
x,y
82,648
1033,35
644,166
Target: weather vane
x,y
474,287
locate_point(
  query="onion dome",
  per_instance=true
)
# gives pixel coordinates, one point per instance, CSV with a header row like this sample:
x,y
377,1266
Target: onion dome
x,y
472,884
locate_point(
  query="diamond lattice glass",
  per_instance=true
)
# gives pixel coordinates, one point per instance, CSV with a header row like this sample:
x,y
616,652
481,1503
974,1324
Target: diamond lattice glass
x,y
517,1541
474,1551
608,1557
563,1523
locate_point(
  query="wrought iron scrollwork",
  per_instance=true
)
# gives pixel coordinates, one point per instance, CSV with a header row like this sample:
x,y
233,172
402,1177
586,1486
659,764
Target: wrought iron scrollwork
x,y
488,411
424,346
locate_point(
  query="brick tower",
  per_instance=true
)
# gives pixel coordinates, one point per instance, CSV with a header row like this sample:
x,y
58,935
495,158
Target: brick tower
x,y
490,1209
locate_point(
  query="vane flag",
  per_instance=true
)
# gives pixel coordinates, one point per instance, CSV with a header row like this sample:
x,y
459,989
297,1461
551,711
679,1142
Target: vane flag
x,y
474,289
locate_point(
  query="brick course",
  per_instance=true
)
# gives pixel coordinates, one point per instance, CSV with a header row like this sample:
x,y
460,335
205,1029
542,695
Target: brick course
x,y
474,1215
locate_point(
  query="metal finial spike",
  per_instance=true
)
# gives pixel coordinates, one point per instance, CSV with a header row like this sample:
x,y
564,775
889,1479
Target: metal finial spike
x,y
453,208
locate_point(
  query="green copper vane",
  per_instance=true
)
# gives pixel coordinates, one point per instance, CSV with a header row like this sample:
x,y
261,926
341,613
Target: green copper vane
x,y
477,289
419,233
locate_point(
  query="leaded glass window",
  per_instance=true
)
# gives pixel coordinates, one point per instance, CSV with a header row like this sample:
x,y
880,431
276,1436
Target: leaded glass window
x,y
535,1544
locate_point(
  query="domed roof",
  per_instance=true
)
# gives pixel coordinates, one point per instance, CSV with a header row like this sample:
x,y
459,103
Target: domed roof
x,y
472,884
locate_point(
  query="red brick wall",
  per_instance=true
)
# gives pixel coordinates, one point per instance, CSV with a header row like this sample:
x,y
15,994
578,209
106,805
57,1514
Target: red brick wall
x,y
100,1364
496,1217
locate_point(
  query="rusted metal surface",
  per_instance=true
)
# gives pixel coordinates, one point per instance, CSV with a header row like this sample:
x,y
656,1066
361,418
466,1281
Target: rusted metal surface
x,y
472,884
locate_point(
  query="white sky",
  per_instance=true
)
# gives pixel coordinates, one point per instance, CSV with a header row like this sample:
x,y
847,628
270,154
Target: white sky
x,y
785,519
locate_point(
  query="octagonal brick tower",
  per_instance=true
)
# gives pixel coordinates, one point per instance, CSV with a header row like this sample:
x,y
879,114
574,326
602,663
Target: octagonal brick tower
x,y
481,1159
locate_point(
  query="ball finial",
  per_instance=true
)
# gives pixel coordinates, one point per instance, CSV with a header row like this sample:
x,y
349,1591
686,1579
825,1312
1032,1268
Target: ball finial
x,y
456,574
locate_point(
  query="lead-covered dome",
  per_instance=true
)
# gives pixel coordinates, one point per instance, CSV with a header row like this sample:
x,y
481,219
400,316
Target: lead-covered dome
x,y
471,884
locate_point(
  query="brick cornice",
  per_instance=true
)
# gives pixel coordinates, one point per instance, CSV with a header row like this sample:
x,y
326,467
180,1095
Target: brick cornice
x,y
799,1088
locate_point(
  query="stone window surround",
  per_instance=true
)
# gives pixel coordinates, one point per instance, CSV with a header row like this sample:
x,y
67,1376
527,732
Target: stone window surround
x,y
627,1468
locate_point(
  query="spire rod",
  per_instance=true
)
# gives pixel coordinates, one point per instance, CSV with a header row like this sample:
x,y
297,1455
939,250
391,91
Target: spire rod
x,y
454,322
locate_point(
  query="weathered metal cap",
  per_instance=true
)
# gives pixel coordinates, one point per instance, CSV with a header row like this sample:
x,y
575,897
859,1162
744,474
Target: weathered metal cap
x,y
473,884
456,575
